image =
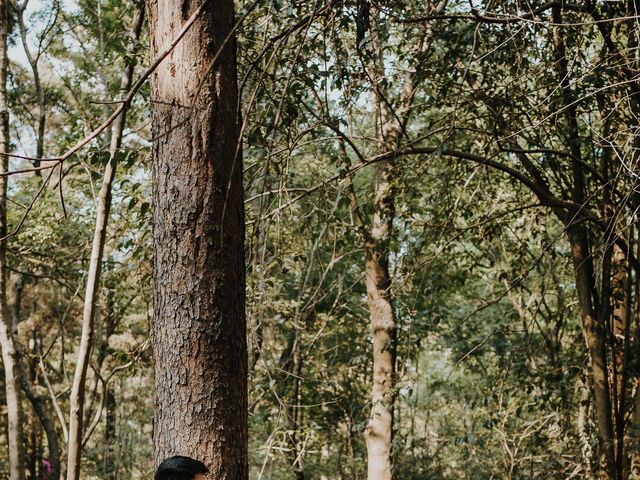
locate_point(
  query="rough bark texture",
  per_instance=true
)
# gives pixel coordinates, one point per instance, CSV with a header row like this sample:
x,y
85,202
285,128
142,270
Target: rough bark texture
x,y
7,339
199,333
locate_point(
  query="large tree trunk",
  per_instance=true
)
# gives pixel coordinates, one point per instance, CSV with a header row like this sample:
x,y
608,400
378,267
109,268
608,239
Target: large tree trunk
x,y
199,333
7,339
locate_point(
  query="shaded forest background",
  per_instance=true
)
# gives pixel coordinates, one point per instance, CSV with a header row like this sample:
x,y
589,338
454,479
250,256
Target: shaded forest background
x,y
485,155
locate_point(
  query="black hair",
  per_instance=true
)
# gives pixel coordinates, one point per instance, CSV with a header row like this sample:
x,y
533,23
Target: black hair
x,y
179,468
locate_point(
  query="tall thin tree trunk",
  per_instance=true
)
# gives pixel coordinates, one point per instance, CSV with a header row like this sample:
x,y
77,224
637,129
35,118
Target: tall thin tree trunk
x,y
634,435
620,322
35,455
389,124
298,443
76,400
110,441
593,324
594,336
380,427
39,404
7,338
633,44
200,345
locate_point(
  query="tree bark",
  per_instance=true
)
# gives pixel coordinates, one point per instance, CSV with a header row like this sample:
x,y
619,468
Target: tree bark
x,y
593,324
200,346
582,426
379,429
76,400
594,336
634,435
110,466
389,125
7,337
620,324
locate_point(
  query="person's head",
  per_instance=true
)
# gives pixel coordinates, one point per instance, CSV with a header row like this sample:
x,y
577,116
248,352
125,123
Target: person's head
x,y
180,468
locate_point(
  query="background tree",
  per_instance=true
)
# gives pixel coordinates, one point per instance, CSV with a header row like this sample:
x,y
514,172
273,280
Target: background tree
x,y
7,327
520,140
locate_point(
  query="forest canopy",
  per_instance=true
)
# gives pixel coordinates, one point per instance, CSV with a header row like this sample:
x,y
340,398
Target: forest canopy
x,y
323,240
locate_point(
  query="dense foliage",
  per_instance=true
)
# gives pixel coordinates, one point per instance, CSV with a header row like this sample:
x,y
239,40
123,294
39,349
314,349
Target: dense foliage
x,y
518,143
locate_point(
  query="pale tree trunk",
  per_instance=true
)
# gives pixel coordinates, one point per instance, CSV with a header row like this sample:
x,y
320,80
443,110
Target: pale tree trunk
x,y
379,429
200,346
76,400
7,337
379,432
